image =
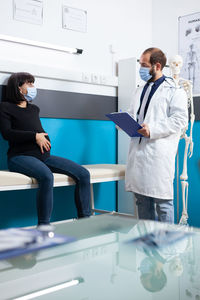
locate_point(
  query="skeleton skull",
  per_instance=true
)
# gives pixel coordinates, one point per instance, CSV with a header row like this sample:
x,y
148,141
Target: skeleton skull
x,y
175,64
176,266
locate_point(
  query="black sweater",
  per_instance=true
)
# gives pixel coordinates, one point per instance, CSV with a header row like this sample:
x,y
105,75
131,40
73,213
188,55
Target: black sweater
x,y
19,126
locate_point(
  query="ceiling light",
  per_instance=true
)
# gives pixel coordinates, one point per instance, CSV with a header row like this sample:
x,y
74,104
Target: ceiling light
x,y
17,40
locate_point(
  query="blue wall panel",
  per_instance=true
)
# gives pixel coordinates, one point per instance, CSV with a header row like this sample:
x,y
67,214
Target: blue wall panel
x,y
85,142
193,178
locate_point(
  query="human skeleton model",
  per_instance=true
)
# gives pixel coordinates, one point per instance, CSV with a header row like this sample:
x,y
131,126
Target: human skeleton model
x,y
175,64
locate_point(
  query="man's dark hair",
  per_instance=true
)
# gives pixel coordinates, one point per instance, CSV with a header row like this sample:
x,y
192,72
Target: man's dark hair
x,y
14,82
156,56
154,283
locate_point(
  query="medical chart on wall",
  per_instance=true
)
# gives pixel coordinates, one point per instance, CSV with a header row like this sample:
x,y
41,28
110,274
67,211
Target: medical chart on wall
x,y
74,19
30,11
189,49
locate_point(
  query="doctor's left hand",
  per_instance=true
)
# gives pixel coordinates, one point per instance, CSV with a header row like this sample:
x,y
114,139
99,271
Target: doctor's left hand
x,y
144,130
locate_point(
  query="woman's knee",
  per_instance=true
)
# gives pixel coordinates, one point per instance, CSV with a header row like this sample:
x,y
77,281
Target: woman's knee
x,y
46,176
84,175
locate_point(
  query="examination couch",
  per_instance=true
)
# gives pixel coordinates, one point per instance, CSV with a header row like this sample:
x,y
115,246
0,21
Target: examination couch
x,y
10,181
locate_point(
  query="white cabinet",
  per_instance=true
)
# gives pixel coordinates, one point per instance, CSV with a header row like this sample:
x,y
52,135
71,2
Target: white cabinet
x,y
128,81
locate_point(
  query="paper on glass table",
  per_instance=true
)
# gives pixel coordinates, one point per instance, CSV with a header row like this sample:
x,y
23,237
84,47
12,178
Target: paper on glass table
x,y
17,241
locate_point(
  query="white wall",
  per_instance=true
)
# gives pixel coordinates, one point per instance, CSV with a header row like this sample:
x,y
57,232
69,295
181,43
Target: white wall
x,y
127,24
130,25
165,22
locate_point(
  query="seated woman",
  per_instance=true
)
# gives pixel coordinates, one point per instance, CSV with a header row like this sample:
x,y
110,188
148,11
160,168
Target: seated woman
x,y
29,148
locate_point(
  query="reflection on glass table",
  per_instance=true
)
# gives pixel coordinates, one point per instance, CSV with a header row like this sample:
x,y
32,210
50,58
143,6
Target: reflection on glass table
x,y
106,263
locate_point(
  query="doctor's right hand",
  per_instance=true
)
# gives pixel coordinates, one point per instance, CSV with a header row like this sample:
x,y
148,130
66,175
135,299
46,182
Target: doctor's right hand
x,y
42,142
144,130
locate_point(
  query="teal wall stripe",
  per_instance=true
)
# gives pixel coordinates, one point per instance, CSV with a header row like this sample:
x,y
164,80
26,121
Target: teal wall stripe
x,y
84,141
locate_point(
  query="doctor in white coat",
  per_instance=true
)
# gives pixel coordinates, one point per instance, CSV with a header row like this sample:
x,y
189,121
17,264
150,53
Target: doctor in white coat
x,y
161,109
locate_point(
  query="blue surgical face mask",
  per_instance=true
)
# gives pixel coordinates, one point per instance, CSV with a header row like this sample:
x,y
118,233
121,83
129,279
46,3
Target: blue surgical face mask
x,y
31,93
144,73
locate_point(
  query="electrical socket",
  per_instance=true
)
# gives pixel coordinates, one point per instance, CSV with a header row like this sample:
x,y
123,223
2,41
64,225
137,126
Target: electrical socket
x,y
94,78
112,49
103,79
85,77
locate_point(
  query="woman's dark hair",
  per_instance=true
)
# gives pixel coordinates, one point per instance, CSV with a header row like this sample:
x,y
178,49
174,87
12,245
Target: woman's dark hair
x,y
14,82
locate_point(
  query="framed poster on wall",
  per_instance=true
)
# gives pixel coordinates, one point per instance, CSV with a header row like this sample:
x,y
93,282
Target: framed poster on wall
x,y
30,11
74,19
189,49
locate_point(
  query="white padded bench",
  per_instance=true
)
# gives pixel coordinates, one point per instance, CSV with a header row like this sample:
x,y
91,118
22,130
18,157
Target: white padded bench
x,y
10,181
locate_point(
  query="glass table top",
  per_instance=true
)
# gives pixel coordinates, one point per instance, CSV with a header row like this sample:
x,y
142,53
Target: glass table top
x,y
106,262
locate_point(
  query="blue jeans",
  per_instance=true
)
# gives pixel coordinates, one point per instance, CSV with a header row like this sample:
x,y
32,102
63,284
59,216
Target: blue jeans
x,y
146,208
42,171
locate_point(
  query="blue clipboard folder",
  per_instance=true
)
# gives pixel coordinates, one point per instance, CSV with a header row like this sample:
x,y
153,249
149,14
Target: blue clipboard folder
x,y
126,123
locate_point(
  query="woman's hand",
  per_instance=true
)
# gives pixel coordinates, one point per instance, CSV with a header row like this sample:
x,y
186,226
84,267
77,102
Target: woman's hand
x,y
42,142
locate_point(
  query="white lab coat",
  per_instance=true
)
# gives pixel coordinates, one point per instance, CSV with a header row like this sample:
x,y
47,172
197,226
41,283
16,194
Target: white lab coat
x,y
151,163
